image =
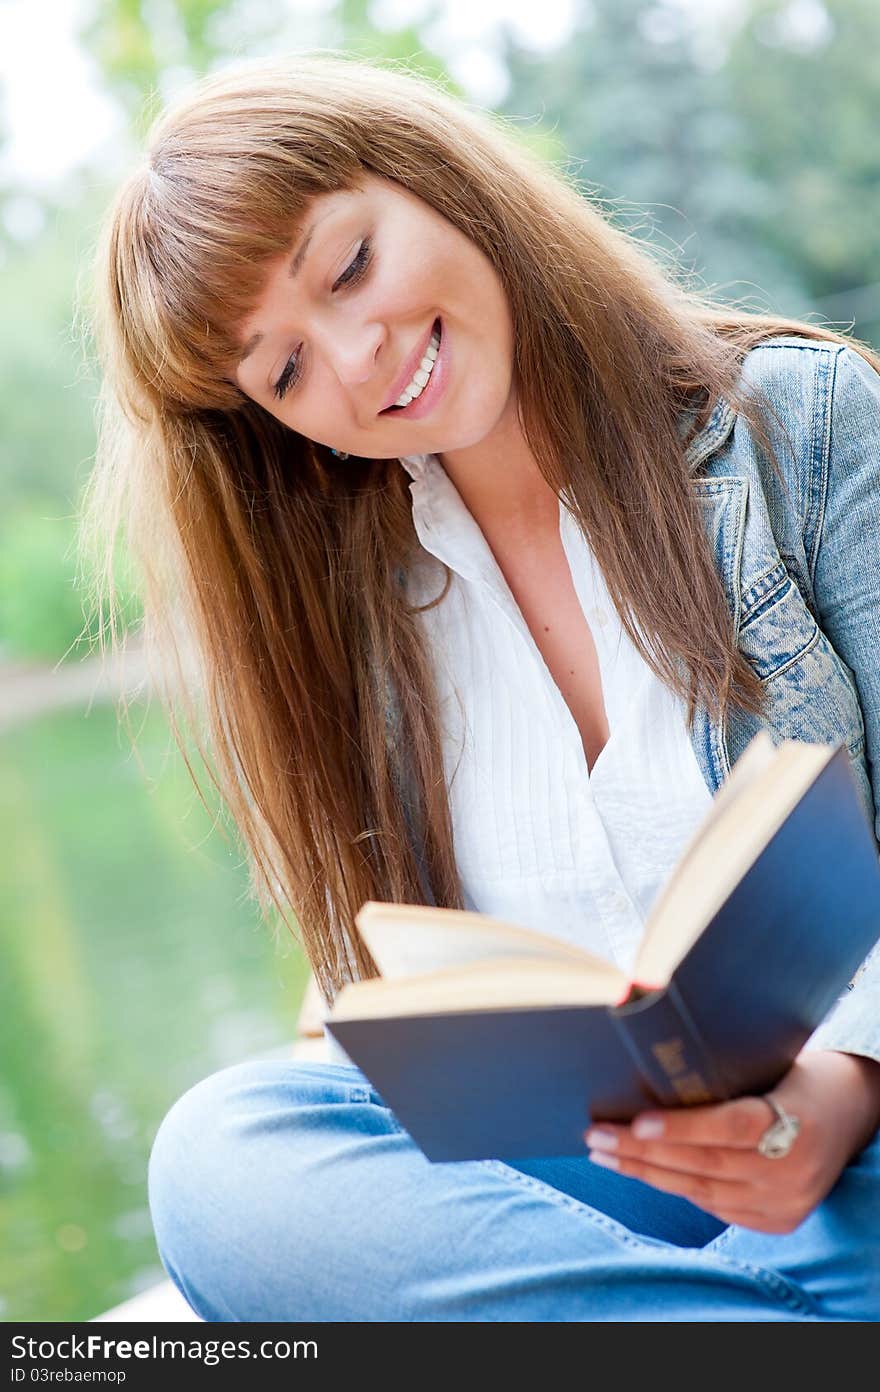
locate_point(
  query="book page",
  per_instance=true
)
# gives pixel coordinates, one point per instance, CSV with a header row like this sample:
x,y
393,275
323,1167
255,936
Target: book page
x,y
512,984
720,855
408,939
758,755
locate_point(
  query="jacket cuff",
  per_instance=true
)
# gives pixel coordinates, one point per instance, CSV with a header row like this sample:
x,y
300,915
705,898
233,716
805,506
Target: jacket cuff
x,y
852,1026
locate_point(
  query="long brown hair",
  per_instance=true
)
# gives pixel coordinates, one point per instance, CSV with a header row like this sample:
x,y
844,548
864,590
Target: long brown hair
x,y
270,571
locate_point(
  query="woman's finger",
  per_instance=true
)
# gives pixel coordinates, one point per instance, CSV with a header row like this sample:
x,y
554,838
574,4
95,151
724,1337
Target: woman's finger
x,y
718,1161
704,1190
738,1125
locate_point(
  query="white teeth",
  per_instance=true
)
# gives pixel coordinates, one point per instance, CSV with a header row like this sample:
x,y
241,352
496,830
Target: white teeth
x,y
421,374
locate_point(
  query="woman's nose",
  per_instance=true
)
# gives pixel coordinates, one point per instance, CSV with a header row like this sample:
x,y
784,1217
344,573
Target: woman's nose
x,y
353,356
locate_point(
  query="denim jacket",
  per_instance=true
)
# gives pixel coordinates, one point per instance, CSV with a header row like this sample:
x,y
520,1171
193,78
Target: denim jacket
x,y
800,566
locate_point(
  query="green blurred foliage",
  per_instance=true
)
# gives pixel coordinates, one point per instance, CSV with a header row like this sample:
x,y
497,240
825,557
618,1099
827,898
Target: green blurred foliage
x,y
754,162
48,393
139,48
40,612
807,120
45,391
136,45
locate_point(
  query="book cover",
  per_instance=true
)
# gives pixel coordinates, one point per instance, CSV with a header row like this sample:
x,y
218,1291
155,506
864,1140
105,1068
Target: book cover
x,y
513,1082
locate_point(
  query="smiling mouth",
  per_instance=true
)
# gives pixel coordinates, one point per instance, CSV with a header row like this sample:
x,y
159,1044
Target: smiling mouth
x,y
437,329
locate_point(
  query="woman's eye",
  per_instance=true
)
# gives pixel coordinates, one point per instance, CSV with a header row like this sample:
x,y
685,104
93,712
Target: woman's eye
x,y
358,266
289,377
350,276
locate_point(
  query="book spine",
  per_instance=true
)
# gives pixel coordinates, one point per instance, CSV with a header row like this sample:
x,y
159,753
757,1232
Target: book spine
x,y
668,1050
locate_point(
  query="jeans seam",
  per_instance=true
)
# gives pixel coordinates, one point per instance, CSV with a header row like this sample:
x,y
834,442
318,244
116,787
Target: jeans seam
x,y
792,1295
563,1200
775,1285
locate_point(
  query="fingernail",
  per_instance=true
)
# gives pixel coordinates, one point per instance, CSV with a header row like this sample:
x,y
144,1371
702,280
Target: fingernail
x,y
601,1140
601,1157
647,1128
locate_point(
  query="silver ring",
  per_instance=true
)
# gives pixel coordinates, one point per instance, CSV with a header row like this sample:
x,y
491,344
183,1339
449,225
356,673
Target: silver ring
x,y
781,1134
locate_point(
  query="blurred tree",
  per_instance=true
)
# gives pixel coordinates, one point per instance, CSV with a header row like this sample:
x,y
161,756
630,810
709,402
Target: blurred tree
x,y
46,404
804,80
762,164
145,51
650,127
40,611
137,45
45,392
355,31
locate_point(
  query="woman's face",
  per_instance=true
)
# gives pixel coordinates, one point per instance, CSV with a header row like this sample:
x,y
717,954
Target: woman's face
x,y
331,345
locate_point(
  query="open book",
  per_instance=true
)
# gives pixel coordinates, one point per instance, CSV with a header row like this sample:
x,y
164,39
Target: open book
x,y
488,1039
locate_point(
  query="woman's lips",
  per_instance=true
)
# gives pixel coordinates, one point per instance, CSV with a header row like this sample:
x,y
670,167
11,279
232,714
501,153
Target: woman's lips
x,y
425,402
409,369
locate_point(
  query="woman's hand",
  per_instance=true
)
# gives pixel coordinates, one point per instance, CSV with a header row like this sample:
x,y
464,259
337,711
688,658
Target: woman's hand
x,y
709,1154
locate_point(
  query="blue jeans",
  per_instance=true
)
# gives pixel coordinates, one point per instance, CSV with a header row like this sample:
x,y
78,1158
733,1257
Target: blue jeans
x,y
286,1190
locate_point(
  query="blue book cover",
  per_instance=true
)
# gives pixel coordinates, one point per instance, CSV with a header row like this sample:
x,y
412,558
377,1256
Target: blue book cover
x,y
518,1081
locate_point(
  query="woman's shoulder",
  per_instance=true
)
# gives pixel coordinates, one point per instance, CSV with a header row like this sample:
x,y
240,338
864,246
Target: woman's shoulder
x,y
810,387
784,372
825,394
814,396
794,370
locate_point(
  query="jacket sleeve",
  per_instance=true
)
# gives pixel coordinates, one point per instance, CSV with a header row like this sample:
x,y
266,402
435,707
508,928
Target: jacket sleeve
x,y
846,584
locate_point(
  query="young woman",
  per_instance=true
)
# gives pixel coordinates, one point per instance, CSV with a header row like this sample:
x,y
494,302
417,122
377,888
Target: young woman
x,y
479,547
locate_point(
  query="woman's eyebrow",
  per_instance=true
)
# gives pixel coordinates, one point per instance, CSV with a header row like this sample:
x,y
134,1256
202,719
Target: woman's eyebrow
x,y
300,256
293,270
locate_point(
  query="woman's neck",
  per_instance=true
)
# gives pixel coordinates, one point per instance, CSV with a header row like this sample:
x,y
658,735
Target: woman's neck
x,y
500,483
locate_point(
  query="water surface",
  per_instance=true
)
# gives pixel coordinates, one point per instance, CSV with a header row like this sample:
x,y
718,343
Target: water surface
x,y
132,963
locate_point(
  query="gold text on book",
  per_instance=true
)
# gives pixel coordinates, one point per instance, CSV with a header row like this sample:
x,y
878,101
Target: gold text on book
x,y
689,1085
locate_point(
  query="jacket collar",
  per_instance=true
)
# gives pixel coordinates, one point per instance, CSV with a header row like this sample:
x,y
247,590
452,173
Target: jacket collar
x,y
705,442
711,436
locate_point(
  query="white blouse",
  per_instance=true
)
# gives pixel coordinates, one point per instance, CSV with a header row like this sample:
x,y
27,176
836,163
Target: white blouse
x,y
540,840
